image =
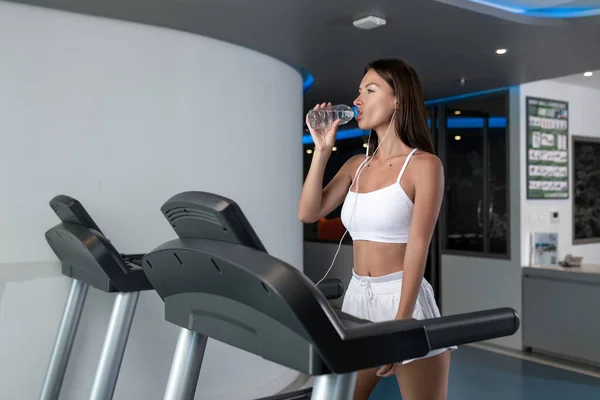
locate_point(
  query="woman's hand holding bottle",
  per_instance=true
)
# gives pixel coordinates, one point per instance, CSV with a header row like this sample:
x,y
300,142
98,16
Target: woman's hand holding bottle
x,y
324,138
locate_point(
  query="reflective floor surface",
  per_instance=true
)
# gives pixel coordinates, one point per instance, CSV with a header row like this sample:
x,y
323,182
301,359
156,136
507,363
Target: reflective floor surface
x,y
478,374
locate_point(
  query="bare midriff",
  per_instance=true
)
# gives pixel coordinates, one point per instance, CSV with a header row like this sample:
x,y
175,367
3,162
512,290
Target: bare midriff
x,y
378,259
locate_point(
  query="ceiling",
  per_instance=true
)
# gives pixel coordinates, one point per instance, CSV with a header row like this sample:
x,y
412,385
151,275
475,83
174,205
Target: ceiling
x,y
592,82
442,41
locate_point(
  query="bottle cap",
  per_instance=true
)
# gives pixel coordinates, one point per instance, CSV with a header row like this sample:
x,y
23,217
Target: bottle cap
x,y
355,109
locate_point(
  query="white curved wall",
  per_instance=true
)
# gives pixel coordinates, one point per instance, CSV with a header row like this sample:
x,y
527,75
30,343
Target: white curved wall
x,y
122,116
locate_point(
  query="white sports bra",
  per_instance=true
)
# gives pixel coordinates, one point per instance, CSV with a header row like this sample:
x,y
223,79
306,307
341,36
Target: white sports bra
x,y
383,215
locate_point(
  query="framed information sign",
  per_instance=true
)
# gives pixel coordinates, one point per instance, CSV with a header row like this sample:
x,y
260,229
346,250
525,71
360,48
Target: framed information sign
x,y
547,149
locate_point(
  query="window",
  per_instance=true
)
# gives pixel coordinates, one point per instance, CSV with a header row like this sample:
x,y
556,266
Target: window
x,y
473,142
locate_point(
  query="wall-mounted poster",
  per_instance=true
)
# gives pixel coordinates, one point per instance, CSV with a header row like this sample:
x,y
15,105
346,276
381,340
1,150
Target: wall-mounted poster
x,y
547,149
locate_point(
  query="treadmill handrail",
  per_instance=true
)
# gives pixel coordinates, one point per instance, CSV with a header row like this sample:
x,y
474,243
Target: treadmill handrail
x,y
373,329
365,342
471,327
500,319
354,346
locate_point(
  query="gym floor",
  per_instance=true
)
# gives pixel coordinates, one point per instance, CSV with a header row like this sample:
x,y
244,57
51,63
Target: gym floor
x,y
478,373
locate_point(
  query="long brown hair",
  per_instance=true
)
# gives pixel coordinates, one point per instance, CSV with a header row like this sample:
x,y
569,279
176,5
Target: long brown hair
x,y
411,117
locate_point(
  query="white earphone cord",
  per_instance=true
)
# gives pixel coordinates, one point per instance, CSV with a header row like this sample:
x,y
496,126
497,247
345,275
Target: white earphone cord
x,y
360,170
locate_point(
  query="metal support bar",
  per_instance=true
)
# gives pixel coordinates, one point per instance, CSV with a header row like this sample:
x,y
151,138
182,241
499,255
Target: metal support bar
x,y
186,365
334,387
115,341
64,341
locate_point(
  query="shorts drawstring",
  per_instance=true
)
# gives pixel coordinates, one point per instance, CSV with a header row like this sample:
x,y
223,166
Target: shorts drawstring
x,y
367,283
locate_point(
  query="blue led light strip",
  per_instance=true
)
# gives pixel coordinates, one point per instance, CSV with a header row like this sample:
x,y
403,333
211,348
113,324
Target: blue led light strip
x,y
544,12
308,81
452,123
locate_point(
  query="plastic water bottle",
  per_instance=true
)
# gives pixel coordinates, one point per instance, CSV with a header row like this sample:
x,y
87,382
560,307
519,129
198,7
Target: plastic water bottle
x,y
322,118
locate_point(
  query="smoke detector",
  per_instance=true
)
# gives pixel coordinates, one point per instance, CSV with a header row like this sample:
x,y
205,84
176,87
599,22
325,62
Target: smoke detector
x,y
369,22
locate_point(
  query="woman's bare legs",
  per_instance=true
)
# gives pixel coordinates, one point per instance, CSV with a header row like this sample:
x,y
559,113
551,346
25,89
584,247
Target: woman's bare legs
x,y
366,380
425,379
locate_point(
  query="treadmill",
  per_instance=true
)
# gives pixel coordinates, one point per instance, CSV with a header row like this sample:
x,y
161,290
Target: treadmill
x,y
87,256
217,281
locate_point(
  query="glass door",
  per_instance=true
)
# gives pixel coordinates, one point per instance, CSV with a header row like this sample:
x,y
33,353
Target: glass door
x,y
475,205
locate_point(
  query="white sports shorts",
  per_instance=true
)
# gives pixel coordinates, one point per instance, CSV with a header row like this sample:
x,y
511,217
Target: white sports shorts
x,y
377,299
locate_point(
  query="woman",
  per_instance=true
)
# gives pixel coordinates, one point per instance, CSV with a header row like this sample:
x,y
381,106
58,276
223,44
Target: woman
x,y
391,201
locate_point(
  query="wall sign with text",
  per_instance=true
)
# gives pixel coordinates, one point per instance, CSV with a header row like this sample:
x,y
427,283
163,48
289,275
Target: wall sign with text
x,y
547,149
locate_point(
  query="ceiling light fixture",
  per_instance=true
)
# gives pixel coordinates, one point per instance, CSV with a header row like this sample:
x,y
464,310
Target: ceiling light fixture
x,y
588,74
369,22
501,51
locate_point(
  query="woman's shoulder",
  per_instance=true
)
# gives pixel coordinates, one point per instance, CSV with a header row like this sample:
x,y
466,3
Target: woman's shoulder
x,y
424,158
352,163
356,159
426,164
